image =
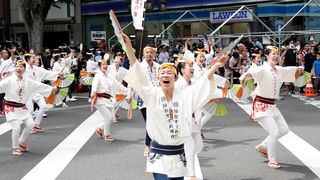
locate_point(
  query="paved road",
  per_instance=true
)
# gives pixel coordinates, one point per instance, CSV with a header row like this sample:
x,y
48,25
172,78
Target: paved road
x,y
69,149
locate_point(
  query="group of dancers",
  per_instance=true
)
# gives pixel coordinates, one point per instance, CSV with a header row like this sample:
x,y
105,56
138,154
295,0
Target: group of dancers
x,y
175,96
174,99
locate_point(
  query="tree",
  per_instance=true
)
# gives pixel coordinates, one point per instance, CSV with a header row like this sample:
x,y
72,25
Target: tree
x,y
34,14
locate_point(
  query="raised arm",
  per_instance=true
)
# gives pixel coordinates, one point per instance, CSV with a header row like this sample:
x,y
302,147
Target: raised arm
x,y
220,63
243,78
131,56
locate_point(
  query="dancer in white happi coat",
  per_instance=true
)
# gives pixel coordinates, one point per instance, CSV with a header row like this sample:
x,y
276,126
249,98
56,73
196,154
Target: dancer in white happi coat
x,y
194,143
91,67
116,70
269,78
118,73
199,70
169,114
203,115
103,91
256,62
37,74
6,63
18,90
61,65
150,69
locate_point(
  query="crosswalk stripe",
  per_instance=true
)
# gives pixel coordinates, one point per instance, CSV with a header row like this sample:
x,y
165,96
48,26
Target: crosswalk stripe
x,y
61,156
307,100
305,152
4,127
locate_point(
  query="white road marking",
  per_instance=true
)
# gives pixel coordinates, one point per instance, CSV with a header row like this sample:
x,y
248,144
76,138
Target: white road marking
x,y
61,156
306,153
307,100
4,127
198,169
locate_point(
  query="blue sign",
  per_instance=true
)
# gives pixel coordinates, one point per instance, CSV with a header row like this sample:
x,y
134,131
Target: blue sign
x,y
221,16
278,24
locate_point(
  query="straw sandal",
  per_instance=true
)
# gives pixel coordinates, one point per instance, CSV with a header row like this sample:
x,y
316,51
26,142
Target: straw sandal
x,y
274,164
99,133
16,152
109,138
23,148
262,151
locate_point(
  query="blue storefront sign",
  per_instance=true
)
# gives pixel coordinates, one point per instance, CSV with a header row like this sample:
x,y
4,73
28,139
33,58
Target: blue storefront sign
x,y
221,16
121,6
278,24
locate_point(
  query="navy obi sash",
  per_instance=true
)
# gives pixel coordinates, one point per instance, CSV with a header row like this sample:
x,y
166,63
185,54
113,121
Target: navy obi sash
x,y
166,149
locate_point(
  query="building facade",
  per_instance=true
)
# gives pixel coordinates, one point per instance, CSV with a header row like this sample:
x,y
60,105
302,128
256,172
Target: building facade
x,y
86,20
4,19
62,26
204,16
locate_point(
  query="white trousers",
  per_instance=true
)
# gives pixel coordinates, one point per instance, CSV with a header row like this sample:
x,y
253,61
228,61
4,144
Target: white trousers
x,y
276,127
42,108
192,146
202,117
16,129
107,114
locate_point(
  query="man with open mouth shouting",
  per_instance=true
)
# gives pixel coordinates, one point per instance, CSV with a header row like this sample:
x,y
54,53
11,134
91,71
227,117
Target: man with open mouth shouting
x,y
169,113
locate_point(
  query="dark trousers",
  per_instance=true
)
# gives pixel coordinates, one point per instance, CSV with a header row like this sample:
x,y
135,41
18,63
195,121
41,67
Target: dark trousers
x,y
71,88
1,100
89,88
158,176
144,114
316,83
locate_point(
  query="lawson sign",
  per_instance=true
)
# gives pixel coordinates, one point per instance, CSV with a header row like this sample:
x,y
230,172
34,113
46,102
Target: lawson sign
x,y
221,16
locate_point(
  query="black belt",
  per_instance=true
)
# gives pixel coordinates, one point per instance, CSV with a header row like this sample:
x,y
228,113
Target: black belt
x,y
265,100
104,95
166,149
13,104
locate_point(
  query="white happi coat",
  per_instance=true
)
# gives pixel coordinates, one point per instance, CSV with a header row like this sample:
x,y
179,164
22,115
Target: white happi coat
x,y
105,83
92,66
19,91
7,66
198,72
188,55
39,74
188,100
119,74
180,85
60,67
67,63
151,74
268,85
252,67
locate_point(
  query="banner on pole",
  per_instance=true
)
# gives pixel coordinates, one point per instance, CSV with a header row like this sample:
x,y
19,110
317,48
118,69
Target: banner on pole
x,y
137,9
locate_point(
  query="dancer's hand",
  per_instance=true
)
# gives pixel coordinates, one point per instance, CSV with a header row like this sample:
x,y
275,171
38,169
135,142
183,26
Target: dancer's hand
x,y
55,90
129,98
